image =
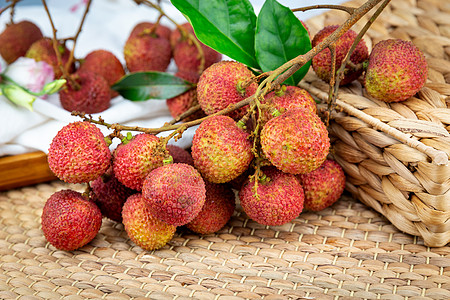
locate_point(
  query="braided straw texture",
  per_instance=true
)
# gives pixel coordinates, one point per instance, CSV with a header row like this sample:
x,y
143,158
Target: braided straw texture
x,y
396,155
347,251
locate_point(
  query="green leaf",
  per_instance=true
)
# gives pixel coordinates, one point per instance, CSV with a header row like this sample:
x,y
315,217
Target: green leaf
x,y
52,87
141,86
280,37
227,26
18,95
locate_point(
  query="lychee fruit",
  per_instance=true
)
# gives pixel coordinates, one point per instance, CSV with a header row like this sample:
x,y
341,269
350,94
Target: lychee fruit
x,y
286,98
145,28
16,39
323,186
104,63
180,155
134,159
147,52
69,220
181,103
92,96
296,141
217,210
396,71
187,56
109,194
221,150
142,227
275,200
42,50
321,63
176,35
78,153
175,193
225,83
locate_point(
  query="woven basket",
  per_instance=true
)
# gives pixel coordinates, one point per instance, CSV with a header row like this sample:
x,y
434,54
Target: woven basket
x,y
396,155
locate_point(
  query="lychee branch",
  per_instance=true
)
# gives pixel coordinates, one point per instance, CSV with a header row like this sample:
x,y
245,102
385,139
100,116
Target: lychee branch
x,y
349,10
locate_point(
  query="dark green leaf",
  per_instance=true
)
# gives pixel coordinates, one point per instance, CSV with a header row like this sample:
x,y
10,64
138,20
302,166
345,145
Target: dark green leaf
x,y
280,37
227,26
140,86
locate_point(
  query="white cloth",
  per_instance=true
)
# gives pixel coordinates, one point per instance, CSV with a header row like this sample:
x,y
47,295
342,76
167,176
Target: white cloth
x,y
107,26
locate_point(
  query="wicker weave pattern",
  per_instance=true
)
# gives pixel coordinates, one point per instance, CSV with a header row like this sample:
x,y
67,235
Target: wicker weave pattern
x,y
347,251
396,155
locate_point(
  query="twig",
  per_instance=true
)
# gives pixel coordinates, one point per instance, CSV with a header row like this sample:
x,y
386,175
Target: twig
x,y
186,114
347,9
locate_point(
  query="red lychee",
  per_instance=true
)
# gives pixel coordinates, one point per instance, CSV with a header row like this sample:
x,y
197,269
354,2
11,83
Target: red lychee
x,y
321,63
277,199
180,155
221,150
142,227
69,220
175,193
78,153
42,50
223,84
135,159
323,186
217,210
145,28
296,141
92,96
16,39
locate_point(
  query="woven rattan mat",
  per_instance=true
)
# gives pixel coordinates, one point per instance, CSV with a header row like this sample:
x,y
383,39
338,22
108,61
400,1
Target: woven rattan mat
x,y
347,251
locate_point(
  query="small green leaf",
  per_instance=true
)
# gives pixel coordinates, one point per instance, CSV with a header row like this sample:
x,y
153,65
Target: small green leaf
x,y
227,26
280,37
18,95
141,86
52,87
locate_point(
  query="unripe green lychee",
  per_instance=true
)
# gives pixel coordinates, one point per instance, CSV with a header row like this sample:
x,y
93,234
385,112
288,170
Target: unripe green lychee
x,y
104,63
397,70
142,227
323,186
278,198
145,28
180,155
286,98
109,194
217,210
221,150
321,63
16,39
42,50
147,53
296,141
78,153
222,84
69,220
92,96
175,193
134,160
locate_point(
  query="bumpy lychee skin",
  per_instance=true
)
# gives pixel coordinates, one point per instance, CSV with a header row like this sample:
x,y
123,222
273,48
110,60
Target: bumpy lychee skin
x,y
296,142
181,103
397,70
104,63
276,201
145,28
221,85
134,160
323,186
142,227
147,53
110,195
78,153
286,98
69,220
42,50
175,193
92,97
321,63
217,210
221,150
16,39
180,155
